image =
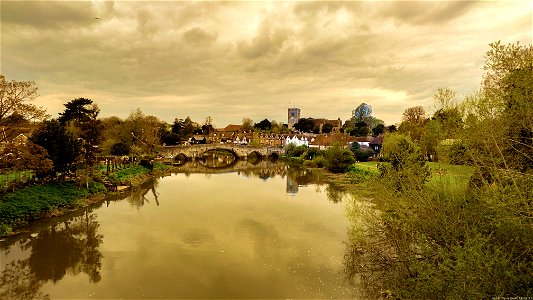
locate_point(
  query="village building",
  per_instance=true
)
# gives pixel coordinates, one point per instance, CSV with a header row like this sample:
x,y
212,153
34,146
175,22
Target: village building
x,y
197,139
336,124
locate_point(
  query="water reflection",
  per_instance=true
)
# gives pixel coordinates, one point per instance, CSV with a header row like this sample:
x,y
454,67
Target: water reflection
x,y
254,166
139,196
71,245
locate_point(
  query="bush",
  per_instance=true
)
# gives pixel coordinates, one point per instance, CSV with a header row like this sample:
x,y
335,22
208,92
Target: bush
x,y
453,152
407,169
358,175
320,161
292,150
338,159
120,149
311,153
97,187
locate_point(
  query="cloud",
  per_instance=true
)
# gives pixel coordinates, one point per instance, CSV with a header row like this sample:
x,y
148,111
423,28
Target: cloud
x,y
233,60
47,15
435,13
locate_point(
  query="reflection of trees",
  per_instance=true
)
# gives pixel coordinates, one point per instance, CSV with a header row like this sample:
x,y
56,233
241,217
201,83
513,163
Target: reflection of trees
x,y
335,193
17,281
370,258
137,197
70,246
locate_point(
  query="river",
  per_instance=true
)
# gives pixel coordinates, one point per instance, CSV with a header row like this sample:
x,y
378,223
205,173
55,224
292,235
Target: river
x,y
267,232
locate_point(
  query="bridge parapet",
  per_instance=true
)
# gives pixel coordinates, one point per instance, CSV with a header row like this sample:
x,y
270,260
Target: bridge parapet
x,y
241,151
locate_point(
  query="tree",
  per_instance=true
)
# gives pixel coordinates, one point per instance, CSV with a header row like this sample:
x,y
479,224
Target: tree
x,y
247,124
178,127
413,120
79,110
361,153
144,131
338,159
188,127
415,115
305,125
263,125
392,128
379,129
16,98
26,157
407,170
508,92
120,149
359,129
362,113
445,98
80,119
432,135
62,147
327,128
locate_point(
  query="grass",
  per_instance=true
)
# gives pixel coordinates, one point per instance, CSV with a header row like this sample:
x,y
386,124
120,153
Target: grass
x,y
14,176
443,176
129,173
371,166
449,177
27,204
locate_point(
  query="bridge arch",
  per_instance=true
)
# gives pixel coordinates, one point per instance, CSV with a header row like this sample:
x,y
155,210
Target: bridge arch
x,y
194,151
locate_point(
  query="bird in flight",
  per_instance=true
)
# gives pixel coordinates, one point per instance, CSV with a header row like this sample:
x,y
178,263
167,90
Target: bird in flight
x,y
97,18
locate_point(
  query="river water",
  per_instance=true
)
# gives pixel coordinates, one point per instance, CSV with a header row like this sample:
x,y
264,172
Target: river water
x,y
266,232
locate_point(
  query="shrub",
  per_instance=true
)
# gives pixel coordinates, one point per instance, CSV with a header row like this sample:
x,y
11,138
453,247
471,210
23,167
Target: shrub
x,y
311,153
358,175
320,161
292,150
453,152
120,149
407,169
338,159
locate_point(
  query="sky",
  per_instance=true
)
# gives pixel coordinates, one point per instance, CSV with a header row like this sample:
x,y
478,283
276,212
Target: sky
x,y
231,60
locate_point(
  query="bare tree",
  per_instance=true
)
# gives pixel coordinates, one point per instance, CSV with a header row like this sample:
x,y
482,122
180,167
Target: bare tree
x,y
16,98
415,115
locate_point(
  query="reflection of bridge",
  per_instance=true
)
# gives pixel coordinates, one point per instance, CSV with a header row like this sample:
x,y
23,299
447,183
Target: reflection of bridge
x,y
241,151
264,166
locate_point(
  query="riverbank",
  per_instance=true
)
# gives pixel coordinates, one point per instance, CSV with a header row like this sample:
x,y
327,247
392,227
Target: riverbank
x,y
18,209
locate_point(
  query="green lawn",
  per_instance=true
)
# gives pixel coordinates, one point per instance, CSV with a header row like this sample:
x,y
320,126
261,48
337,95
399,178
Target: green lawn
x,y
371,166
443,176
446,176
14,175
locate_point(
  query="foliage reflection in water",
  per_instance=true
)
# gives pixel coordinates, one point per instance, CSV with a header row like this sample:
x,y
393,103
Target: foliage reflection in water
x,y
197,235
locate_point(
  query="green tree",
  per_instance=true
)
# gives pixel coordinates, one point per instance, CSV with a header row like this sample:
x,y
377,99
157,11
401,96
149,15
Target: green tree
x,y
80,118
338,159
120,149
247,124
305,125
62,147
264,125
327,128
379,129
359,129
407,169
432,135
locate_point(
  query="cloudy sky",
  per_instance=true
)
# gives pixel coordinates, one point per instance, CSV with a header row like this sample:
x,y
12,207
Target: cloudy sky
x,y
231,60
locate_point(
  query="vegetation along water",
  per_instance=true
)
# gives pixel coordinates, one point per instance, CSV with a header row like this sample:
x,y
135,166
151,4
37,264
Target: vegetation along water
x,y
441,209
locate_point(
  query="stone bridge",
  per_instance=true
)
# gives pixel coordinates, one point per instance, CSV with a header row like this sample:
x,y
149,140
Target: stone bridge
x,y
240,151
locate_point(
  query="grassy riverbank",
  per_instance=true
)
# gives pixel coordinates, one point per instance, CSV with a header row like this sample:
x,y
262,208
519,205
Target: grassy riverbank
x,y
446,239
19,208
